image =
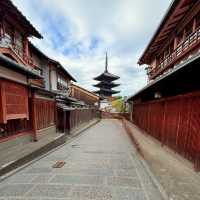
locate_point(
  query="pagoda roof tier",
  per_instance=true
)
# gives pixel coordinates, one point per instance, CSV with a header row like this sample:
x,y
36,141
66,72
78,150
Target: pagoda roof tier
x,y
109,91
106,76
106,84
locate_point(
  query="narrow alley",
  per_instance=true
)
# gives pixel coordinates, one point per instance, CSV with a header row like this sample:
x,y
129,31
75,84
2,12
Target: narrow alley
x,y
100,164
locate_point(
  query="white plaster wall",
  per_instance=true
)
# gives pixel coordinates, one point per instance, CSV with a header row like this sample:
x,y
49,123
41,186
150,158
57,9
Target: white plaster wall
x,y
53,80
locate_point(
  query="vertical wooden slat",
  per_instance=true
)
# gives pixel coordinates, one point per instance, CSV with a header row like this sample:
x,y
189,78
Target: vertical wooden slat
x,y
175,122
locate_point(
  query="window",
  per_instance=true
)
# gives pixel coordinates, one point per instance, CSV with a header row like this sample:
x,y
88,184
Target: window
x,y
62,83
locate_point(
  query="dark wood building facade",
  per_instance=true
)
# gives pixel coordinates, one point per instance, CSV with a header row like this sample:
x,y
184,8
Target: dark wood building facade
x,y
35,90
81,94
28,84
168,107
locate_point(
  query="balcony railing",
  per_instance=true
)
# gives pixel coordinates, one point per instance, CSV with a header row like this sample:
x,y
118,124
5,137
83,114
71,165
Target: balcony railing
x,y
60,86
191,41
38,82
6,42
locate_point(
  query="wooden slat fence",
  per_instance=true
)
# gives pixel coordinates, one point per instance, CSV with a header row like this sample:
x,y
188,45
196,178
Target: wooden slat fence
x,y
79,116
44,113
73,118
175,122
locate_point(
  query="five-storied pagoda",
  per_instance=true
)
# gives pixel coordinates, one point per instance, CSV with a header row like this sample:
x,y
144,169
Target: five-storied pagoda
x,y
106,83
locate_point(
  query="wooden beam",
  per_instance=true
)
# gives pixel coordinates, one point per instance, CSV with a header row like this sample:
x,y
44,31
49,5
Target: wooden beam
x,y
33,117
188,17
194,25
190,14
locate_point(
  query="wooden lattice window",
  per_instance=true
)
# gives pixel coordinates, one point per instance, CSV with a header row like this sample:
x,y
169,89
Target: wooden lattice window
x,y
13,101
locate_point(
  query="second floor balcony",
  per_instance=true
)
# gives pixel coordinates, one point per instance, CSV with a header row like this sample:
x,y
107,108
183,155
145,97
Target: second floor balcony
x,y
15,49
183,50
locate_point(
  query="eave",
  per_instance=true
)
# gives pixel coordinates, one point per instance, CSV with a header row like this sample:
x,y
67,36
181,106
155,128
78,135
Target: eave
x,y
174,15
106,76
59,66
10,8
102,84
106,91
7,62
165,77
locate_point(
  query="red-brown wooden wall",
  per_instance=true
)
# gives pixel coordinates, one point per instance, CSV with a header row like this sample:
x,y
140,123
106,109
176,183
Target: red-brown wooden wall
x,y
175,122
44,113
79,116
74,118
14,101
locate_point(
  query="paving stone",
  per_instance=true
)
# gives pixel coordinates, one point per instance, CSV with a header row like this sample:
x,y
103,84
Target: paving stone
x,y
105,167
95,172
20,178
41,178
129,194
122,165
52,191
16,198
91,193
39,170
9,190
152,192
93,180
126,172
127,182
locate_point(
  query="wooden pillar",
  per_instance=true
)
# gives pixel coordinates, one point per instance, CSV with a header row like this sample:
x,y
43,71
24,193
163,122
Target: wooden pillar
x,y
55,114
1,29
26,49
14,37
33,117
194,26
163,123
175,42
184,35
64,120
69,121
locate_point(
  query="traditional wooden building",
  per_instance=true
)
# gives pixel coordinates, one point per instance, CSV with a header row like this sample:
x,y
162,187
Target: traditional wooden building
x,y
60,79
88,98
34,89
79,107
27,105
168,107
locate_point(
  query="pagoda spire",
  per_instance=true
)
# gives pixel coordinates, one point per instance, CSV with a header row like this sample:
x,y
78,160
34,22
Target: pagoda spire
x,y
106,64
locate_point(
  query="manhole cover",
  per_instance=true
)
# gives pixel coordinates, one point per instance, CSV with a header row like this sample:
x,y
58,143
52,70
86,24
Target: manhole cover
x,y
59,164
75,146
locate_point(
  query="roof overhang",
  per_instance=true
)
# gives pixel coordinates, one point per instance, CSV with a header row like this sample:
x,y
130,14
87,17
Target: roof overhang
x,y
11,9
92,94
166,77
106,76
59,66
9,63
174,15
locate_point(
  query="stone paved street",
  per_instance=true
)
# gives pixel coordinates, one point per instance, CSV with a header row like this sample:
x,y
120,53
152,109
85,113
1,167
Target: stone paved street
x,y
101,164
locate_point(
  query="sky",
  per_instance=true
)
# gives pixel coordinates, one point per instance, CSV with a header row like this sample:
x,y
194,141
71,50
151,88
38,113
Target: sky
x,y
78,33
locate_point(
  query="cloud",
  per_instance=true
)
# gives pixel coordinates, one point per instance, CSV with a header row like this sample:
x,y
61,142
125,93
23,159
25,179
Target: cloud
x,y
79,32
